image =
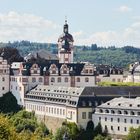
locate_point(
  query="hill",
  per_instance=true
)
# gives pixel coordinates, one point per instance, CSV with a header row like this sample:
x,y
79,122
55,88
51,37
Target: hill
x,y
121,57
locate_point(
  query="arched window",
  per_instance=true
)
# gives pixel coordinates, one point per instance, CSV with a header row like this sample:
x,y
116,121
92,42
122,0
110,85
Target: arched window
x,y
52,79
125,112
90,71
138,113
100,111
106,111
132,113
112,112
119,112
86,79
78,79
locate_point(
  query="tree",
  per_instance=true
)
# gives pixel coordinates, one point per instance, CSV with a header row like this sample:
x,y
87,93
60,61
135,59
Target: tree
x,y
94,47
98,129
90,126
70,128
8,104
134,134
99,137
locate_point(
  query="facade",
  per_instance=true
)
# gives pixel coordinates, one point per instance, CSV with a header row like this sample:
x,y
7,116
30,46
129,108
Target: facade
x,y
118,115
106,73
55,104
4,76
65,46
133,74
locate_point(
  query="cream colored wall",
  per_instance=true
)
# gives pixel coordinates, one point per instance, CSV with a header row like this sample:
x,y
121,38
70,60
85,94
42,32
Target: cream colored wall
x,y
115,123
83,122
4,73
82,82
110,78
15,89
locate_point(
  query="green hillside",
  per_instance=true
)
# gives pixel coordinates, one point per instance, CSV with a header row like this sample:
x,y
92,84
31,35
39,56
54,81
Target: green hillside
x,y
121,57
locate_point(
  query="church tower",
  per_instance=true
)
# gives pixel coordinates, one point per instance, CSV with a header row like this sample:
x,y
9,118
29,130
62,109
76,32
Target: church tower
x,y
65,46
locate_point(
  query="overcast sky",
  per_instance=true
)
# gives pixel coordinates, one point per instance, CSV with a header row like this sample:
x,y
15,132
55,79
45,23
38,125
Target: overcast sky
x,y
104,22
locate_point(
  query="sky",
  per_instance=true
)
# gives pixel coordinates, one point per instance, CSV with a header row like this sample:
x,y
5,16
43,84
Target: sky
x,y
104,22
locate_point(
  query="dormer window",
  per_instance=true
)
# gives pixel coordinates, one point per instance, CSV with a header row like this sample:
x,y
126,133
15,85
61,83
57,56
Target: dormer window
x,y
53,72
65,72
86,71
90,71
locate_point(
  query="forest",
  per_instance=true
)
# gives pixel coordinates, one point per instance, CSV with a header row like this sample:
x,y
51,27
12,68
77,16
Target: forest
x,y
111,55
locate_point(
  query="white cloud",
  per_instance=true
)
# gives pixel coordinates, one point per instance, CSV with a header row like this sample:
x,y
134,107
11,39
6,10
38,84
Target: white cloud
x,y
127,36
124,9
15,26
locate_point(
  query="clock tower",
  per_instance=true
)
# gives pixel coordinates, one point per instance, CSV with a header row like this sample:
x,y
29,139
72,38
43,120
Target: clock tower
x,y
65,46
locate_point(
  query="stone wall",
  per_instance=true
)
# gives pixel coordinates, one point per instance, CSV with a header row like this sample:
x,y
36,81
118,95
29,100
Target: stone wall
x,y
52,123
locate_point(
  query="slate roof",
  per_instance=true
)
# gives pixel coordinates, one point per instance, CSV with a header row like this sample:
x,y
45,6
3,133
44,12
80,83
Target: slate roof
x,y
83,97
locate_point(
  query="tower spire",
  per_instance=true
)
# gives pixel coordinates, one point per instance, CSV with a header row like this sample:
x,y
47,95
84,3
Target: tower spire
x,y
65,19
66,27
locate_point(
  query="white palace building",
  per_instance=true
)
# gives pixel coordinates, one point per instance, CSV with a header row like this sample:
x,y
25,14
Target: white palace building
x,y
59,90
118,115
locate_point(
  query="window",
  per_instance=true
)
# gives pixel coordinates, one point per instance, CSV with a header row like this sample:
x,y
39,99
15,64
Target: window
x,y
125,121
125,112
112,112
131,120
105,119
33,80
65,72
118,119
105,127
132,113
3,79
86,71
138,113
78,79
111,119
125,129
119,112
137,121
3,88
100,111
19,88
59,79
118,128
53,72
99,118
111,127
86,79
40,79
106,111
52,79
83,115
90,71
90,115
66,79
